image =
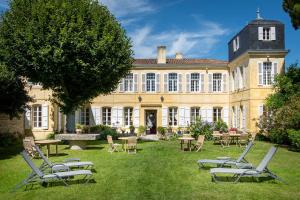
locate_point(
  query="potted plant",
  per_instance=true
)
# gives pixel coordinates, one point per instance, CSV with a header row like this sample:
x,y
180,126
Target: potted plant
x,y
78,128
132,129
162,131
141,130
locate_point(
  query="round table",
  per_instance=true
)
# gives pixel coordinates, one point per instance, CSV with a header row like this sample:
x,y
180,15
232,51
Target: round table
x,y
125,139
189,142
48,143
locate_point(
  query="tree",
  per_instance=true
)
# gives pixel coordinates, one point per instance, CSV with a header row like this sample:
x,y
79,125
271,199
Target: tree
x,y
292,7
75,48
13,97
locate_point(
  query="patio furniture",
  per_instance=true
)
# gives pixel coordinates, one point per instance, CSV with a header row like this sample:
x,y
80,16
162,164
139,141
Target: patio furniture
x,y
69,163
112,147
216,136
28,145
243,140
188,141
199,143
241,162
258,171
37,176
225,140
132,144
48,143
77,141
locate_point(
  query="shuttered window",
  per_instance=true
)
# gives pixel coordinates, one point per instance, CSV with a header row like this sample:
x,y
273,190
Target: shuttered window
x,y
128,116
217,82
217,114
173,118
85,116
150,82
106,116
128,83
173,82
195,82
195,113
37,116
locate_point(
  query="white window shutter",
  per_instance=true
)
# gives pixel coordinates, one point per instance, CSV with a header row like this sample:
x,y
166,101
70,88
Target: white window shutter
x,y
114,116
209,114
136,117
187,116
274,70
95,119
238,111
27,118
225,115
273,33
166,89
45,116
179,82
237,42
120,116
181,117
203,114
135,82
202,82
77,116
210,82
122,85
157,82
224,85
244,117
260,110
234,45
164,122
260,33
244,76
188,85
143,82
260,73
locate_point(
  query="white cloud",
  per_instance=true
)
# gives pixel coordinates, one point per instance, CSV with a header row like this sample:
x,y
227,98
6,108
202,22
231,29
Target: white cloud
x,y
200,42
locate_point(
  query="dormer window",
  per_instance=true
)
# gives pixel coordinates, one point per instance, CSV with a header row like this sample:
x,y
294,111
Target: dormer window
x,y
236,43
266,33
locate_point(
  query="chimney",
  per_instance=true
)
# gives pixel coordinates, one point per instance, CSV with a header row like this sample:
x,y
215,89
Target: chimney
x,y
178,56
161,55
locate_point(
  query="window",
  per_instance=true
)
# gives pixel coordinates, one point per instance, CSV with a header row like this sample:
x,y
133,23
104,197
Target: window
x,y
173,82
217,81
266,33
106,116
85,116
128,116
195,82
241,79
267,73
37,116
150,82
173,116
236,43
128,83
217,114
195,113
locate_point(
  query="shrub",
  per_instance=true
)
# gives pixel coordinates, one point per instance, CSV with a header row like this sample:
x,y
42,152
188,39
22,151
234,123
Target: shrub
x,y
278,136
85,129
161,130
141,130
109,131
201,128
8,139
98,128
79,126
294,137
132,129
51,136
221,126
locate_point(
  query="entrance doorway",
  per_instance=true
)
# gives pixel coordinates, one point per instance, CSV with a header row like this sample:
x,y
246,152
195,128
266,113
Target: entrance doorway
x,y
150,121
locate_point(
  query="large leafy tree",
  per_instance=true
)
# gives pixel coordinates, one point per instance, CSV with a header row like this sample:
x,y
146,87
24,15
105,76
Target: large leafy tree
x,y
75,48
13,97
292,7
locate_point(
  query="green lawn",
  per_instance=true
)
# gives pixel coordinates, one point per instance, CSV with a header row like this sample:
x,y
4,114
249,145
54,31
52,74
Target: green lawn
x,y
160,170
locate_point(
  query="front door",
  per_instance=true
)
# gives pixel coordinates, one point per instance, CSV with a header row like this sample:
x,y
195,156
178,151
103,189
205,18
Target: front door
x,y
150,121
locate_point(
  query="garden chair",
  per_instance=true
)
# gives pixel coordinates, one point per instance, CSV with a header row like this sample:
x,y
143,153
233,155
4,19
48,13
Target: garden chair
x,y
112,147
216,137
258,171
37,176
225,140
241,162
28,145
70,163
132,145
243,140
199,143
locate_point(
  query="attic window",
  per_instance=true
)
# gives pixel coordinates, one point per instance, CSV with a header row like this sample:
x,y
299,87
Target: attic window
x,y
236,44
266,33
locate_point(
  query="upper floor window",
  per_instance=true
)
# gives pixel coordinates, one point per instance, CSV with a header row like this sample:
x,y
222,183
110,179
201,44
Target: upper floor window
x,y
266,72
173,82
195,113
150,82
37,116
217,113
128,83
266,33
195,82
217,82
173,116
128,116
85,116
106,116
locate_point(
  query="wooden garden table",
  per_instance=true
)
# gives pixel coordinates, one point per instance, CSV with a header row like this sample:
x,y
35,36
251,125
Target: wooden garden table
x,y
189,142
47,143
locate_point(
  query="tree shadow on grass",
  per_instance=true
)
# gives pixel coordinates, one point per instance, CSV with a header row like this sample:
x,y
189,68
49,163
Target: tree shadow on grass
x,y
10,151
227,179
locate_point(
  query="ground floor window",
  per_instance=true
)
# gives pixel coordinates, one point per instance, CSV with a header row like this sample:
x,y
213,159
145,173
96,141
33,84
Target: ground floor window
x,y
85,116
195,113
128,116
217,114
173,116
106,116
37,116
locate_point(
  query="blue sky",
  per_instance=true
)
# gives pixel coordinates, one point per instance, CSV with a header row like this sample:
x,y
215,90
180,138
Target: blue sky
x,y
196,28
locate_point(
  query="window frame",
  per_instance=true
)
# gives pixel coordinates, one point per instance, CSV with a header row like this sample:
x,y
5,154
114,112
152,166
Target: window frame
x,y
195,82
151,81
129,83
173,82
128,111
84,116
173,116
37,119
106,116
195,114
218,114
217,83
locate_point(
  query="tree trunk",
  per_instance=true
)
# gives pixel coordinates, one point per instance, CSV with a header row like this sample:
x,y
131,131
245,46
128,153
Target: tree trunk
x,y
70,124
